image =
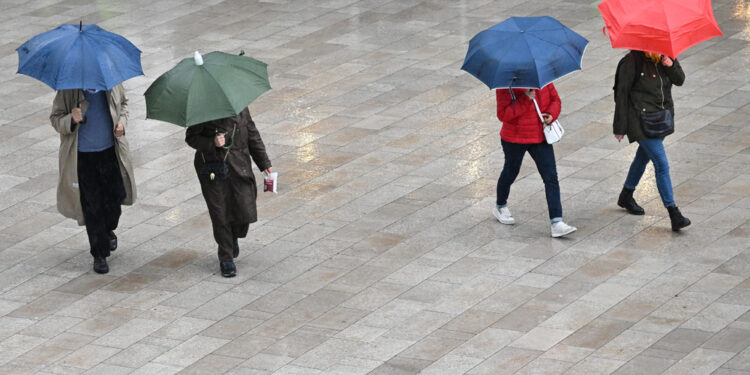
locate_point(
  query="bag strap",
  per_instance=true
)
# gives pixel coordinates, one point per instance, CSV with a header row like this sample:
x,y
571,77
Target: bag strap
x,y
538,112
230,146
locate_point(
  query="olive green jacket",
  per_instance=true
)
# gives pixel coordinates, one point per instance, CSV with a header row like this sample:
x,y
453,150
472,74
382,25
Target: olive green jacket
x,y
652,92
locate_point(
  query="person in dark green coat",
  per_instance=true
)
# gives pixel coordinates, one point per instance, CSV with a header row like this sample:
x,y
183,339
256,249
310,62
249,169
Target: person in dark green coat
x,y
643,86
235,142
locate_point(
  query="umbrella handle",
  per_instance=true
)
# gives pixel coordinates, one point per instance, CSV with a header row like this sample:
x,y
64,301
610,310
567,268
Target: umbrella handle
x,y
510,88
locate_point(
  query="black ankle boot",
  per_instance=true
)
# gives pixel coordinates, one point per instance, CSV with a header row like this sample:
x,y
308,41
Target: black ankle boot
x,y
678,221
627,202
228,269
100,265
112,241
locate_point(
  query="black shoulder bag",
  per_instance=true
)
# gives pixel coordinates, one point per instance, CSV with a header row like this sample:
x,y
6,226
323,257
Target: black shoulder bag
x,y
657,124
216,170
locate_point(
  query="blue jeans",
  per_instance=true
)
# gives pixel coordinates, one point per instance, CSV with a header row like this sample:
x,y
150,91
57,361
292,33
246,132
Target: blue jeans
x,y
652,149
544,157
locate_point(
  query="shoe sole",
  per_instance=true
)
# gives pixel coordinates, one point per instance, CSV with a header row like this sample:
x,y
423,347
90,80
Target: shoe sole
x,y
504,221
557,235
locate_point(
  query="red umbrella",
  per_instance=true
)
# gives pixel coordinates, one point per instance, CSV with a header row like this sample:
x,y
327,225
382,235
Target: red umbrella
x,y
668,27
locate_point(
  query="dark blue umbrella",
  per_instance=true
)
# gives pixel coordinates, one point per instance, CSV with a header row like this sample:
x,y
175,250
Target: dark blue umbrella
x,y
79,57
527,52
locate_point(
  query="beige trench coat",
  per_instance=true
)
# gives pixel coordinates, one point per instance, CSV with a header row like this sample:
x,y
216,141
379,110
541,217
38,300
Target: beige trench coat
x,y
68,195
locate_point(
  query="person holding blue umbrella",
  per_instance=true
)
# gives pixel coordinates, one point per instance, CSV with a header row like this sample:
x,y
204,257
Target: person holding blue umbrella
x,y
86,65
528,53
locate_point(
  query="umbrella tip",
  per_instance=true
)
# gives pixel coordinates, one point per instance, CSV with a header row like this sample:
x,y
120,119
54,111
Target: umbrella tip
x,y
198,58
242,52
80,25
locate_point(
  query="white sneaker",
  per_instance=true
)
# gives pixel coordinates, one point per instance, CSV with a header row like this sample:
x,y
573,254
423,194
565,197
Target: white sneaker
x,y
560,229
503,215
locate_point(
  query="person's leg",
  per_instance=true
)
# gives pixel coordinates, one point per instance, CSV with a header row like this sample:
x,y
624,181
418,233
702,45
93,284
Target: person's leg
x,y
544,157
115,189
92,192
637,167
238,231
514,153
654,149
215,194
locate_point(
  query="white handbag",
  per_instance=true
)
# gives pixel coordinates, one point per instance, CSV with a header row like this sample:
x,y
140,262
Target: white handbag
x,y
553,132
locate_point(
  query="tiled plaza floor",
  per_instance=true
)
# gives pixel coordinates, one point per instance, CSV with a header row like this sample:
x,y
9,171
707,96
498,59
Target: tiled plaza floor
x,y
380,254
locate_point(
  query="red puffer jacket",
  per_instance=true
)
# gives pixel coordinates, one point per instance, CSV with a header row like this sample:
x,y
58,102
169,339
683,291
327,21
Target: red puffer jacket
x,y
521,123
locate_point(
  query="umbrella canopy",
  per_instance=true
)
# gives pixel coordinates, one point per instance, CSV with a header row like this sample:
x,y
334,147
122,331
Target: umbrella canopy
x,y
525,52
79,57
668,27
205,88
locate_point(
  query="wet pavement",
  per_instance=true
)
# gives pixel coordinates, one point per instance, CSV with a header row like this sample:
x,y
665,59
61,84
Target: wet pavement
x,y
380,253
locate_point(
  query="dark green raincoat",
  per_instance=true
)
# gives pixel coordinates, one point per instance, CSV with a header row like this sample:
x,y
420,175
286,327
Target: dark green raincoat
x,y
231,202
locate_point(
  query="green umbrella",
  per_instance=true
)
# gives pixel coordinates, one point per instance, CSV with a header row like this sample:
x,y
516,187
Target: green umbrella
x,y
205,88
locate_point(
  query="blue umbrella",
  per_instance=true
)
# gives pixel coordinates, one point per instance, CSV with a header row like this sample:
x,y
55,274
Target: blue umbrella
x,y
79,57
527,52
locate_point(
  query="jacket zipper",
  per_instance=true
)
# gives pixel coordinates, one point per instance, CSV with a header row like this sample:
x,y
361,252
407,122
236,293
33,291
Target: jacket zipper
x,y
661,84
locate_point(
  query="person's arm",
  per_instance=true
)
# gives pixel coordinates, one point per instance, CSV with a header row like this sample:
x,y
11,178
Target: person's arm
x,y
554,107
625,78
256,145
61,117
195,138
507,109
674,71
122,122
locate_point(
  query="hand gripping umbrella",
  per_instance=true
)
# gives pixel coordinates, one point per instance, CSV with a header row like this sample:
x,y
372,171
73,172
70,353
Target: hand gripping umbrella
x,y
527,52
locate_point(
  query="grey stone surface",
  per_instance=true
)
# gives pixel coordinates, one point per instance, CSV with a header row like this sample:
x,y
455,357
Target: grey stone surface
x,y
379,254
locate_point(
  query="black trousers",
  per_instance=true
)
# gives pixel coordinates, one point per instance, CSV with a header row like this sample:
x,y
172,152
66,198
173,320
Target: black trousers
x,y
102,193
221,204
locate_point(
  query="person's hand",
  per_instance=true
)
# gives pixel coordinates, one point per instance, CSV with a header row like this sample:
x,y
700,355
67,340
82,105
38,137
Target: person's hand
x,y
666,61
269,170
619,137
219,140
77,115
119,130
530,93
547,118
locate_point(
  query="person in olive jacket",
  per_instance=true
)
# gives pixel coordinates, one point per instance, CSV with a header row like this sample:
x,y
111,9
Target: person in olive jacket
x,y
644,85
231,201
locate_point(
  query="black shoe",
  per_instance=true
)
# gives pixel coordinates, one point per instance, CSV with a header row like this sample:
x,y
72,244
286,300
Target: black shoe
x,y
236,248
678,221
100,265
112,241
627,202
228,268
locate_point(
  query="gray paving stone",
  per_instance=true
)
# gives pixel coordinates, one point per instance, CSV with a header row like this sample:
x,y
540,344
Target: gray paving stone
x,y
380,254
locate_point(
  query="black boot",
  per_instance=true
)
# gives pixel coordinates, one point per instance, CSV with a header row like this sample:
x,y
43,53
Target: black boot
x,y
228,269
112,241
678,221
627,202
100,265
235,248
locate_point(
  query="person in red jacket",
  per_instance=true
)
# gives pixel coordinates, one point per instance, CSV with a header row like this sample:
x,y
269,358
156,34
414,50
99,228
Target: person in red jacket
x,y
522,132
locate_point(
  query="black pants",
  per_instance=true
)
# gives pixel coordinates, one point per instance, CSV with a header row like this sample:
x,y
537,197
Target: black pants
x,y
544,157
102,193
218,196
